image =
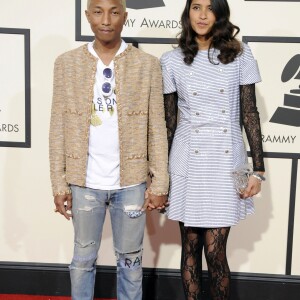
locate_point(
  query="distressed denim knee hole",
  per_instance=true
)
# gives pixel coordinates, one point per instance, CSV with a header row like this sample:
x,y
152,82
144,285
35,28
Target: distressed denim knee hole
x,y
84,257
79,244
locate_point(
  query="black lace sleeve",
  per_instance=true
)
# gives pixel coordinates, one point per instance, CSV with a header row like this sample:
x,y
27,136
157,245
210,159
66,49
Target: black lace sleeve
x,y
171,110
251,123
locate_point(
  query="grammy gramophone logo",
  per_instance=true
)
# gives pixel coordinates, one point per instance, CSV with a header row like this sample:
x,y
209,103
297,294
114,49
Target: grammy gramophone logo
x,y
141,4
289,114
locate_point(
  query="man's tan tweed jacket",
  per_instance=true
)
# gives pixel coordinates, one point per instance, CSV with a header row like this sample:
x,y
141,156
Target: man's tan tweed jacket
x,y
142,128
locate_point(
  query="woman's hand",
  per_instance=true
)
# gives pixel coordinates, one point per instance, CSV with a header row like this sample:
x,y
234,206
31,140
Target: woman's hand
x,y
154,201
253,188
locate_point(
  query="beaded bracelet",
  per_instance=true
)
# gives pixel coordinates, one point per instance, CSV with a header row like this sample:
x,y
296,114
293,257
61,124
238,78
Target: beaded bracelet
x,y
258,176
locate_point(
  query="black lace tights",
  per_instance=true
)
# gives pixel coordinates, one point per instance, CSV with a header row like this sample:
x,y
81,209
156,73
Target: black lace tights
x,y
214,243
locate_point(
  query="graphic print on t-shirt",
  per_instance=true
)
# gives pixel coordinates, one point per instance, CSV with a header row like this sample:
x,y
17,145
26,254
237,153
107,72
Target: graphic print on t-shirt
x,y
104,103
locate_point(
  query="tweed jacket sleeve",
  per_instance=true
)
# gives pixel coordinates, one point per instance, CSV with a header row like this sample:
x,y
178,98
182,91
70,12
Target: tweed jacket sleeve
x,y
57,136
157,135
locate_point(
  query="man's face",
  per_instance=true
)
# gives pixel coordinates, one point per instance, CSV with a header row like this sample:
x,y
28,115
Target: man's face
x,y
106,18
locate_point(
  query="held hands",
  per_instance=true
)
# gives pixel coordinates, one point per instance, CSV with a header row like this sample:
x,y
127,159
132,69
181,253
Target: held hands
x,y
253,188
63,204
155,202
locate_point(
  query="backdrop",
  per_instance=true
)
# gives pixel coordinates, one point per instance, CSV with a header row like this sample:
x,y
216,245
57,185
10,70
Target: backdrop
x,y
33,33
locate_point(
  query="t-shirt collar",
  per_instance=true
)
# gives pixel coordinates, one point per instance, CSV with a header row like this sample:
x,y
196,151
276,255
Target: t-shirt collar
x,y
122,48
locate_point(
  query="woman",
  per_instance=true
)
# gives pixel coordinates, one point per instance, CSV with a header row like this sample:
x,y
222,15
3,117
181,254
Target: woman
x,y
211,78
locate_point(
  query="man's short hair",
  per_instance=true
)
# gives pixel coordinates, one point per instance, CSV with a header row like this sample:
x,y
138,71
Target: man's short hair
x,y
122,1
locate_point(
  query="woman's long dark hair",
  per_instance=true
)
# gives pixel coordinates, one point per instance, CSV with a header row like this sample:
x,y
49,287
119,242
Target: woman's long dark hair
x,y
223,34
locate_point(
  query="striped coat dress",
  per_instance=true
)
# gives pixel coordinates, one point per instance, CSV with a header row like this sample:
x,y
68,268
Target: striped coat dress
x,y
208,143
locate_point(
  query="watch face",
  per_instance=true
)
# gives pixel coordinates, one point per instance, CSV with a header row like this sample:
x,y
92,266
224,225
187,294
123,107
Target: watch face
x,y
142,4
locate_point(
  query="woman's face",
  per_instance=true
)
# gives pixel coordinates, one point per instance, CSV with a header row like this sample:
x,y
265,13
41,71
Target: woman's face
x,y
201,17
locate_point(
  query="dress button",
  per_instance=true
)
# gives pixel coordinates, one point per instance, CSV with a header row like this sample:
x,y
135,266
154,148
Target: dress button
x,y
226,151
196,151
221,90
223,111
225,130
220,70
197,130
197,113
195,93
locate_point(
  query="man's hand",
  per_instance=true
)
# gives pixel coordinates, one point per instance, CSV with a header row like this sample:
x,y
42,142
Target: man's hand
x,y
157,202
147,204
61,207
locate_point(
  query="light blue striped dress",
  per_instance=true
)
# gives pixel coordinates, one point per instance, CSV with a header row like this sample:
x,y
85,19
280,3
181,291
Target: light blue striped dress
x,y
208,142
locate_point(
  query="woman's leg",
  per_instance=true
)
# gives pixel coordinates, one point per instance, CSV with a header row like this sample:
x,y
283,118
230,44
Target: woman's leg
x,y
191,261
215,241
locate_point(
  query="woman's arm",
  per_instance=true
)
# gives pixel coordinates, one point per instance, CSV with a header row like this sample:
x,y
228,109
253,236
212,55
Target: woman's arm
x,y
171,110
251,123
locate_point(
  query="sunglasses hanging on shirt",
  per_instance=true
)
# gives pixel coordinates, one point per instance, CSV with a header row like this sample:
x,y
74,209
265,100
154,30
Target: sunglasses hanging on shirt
x,y
107,89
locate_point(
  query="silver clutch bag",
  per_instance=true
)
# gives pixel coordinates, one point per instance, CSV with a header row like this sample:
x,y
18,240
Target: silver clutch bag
x,y
241,176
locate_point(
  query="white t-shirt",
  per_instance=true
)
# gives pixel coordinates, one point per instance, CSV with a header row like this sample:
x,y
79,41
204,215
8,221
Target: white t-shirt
x,y
103,168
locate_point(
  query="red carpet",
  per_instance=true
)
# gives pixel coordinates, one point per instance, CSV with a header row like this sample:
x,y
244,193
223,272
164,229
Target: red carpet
x,y
31,297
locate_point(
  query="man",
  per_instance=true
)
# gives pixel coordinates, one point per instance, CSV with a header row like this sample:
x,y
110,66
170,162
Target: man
x,y
107,132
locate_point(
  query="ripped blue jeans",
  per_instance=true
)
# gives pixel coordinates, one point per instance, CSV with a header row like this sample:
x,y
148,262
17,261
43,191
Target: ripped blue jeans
x,y
89,208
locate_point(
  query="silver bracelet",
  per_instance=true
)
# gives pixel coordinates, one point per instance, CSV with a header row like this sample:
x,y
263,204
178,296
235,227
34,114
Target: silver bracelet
x,y
258,176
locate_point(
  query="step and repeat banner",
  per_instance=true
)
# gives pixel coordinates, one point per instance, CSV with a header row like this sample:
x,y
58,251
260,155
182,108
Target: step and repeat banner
x,y
30,42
